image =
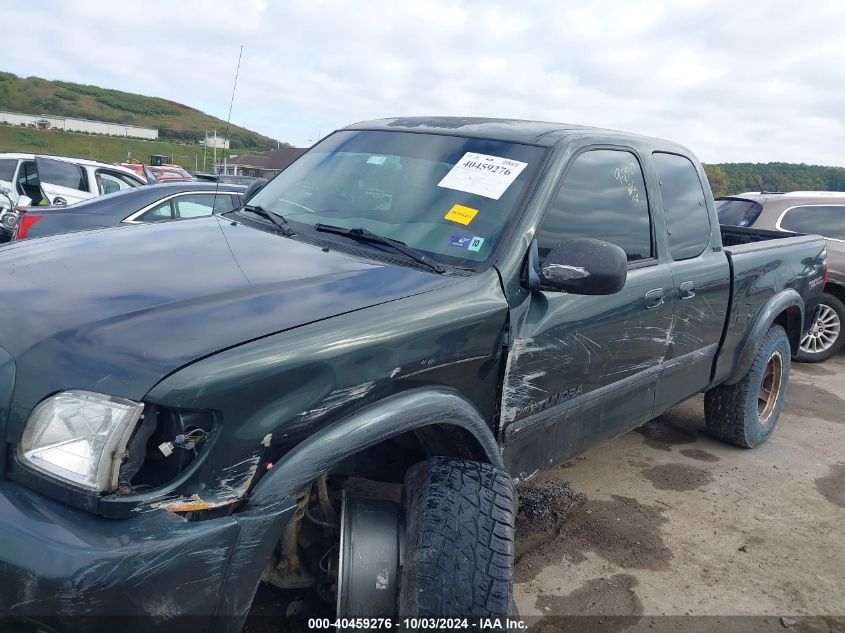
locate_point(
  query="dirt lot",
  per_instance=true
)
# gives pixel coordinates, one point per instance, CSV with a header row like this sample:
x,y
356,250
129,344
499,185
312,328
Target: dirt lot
x,y
667,521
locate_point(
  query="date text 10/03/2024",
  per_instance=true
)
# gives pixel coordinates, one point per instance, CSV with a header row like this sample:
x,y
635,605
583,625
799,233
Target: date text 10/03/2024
x,y
466,624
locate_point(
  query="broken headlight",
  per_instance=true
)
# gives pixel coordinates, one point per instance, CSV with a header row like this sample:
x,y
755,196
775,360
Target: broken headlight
x,y
80,437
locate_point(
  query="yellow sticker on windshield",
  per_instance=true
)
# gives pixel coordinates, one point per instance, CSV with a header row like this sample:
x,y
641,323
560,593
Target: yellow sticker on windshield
x,y
461,214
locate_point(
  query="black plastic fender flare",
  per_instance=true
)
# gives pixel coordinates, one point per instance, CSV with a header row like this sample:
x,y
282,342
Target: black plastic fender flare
x,y
392,416
782,301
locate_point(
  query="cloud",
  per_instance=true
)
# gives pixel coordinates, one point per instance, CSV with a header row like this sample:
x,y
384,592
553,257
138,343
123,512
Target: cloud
x,y
735,82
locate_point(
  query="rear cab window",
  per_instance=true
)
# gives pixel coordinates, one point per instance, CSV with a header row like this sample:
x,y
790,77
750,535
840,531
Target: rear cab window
x,y
684,205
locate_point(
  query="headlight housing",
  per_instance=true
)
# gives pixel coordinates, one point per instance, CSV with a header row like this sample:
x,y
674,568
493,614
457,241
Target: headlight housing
x,y
80,437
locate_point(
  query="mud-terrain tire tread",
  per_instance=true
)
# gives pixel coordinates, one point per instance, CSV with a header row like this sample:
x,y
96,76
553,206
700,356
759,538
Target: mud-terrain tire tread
x,y
838,307
730,411
459,545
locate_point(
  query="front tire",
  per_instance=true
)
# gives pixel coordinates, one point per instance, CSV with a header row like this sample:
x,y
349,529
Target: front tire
x,y
459,548
826,335
745,414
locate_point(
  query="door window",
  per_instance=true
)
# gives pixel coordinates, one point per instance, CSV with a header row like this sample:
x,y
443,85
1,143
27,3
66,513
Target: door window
x,y
160,213
687,218
602,196
201,205
826,220
61,174
7,168
109,182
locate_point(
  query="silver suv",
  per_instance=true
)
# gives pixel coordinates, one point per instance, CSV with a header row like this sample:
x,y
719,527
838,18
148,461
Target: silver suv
x,y
817,212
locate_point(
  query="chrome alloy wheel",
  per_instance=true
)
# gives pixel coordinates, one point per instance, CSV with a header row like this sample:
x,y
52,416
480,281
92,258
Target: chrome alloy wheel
x,y
823,333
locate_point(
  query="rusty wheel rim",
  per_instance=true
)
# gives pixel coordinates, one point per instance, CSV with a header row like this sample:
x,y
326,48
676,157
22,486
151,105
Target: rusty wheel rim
x,y
770,386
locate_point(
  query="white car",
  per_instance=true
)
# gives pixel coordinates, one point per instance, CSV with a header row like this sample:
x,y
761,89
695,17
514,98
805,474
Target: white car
x,y
58,180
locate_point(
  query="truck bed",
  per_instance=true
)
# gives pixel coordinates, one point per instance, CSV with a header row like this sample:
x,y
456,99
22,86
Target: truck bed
x,y
762,263
739,236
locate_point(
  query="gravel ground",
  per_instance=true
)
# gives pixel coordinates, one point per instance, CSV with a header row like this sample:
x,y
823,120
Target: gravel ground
x,y
667,521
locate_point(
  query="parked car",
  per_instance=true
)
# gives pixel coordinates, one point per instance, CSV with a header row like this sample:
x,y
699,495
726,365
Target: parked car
x,y
229,179
424,309
140,170
49,180
161,203
9,214
818,212
170,173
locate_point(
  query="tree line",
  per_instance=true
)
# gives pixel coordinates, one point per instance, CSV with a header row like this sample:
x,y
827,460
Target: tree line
x,y
733,178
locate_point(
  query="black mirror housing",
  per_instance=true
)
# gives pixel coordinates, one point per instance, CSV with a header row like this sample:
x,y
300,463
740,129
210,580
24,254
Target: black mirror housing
x,y
585,266
254,187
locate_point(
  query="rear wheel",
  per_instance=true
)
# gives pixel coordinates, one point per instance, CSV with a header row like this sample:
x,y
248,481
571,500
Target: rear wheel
x,y
825,336
746,413
447,551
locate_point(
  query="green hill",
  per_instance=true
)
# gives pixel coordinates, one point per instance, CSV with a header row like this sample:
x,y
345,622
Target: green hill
x,y
111,149
731,178
174,121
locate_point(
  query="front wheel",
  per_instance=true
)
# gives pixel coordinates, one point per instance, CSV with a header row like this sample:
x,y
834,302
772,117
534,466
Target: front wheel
x,y
825,336
446,552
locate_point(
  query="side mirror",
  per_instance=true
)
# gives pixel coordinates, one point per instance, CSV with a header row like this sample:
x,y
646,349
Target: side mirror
x,y
254,187
59,202
584,266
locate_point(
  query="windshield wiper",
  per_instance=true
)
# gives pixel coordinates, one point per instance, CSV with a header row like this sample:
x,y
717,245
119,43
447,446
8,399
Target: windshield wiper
x,y
363,235
276,218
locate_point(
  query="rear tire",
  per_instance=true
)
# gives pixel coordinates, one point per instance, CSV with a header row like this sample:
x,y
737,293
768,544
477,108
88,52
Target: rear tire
x,y
746,413
459,547
827,333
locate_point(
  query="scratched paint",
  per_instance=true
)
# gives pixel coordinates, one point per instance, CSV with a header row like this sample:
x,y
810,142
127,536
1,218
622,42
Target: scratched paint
x,y
336,399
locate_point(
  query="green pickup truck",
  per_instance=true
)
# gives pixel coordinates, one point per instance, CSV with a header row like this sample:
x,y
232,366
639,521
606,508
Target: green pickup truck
x,y
335,387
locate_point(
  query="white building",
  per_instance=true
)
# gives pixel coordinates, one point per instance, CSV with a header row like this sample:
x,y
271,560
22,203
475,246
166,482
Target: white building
x,y
216,142
69,124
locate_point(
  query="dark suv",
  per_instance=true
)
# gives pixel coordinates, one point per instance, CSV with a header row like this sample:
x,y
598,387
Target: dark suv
x,y
817,212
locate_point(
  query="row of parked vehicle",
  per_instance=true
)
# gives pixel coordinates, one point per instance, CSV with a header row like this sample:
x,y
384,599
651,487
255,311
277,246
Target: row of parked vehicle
x,y
44,195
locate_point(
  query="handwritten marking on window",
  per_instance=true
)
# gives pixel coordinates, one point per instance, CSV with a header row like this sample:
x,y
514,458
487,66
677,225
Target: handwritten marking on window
x,y
624,175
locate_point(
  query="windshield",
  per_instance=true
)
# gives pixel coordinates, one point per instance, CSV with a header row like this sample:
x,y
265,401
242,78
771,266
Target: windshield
x,y
450,197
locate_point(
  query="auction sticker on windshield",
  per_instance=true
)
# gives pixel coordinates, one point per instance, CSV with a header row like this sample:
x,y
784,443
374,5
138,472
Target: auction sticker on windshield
x,y
483,175
461,214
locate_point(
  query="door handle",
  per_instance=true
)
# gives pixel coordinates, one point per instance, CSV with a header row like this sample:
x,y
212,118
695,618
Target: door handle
x,y
686,290
654,299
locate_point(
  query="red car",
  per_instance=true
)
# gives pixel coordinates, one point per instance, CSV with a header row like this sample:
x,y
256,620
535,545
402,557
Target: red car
x,y
170,174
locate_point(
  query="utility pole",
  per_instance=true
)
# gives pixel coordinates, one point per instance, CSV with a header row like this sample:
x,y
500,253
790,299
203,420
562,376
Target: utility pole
x,y
214,166
204,149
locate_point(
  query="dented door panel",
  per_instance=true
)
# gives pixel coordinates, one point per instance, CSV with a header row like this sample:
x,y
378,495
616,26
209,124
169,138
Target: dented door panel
x,y
569,347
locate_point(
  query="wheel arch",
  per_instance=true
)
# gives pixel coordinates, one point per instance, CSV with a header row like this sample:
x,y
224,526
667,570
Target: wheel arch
x,y
786,308
835,289
443,421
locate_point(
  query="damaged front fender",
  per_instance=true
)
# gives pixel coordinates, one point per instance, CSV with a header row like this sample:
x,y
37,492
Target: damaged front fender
x,y
392,416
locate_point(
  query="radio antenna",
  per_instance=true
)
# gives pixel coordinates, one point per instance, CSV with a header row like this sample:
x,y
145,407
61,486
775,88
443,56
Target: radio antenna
x,y
228,120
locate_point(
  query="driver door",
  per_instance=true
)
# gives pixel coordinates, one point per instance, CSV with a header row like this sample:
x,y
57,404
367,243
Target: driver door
x,y
582,368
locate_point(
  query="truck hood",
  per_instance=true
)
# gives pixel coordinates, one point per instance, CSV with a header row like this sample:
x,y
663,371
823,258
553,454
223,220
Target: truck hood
x,y
116,310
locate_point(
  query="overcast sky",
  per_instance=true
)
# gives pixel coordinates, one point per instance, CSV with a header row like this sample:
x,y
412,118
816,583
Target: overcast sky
x,y
735,81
